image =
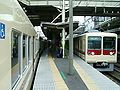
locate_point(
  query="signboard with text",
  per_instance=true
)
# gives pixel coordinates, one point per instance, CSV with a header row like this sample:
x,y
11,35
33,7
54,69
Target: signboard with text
x,y
2,31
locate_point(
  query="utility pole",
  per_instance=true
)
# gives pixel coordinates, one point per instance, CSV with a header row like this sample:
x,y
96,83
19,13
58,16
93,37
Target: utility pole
x,y
70,37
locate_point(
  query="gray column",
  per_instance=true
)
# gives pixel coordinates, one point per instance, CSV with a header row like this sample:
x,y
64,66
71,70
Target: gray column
x,y
63,31
70,37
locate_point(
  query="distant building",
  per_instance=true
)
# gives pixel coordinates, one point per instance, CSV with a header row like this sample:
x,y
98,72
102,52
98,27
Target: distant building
x,y
92,22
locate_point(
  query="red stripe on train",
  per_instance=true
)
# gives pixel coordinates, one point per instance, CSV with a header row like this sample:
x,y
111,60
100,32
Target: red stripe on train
x,y
94,52
107,52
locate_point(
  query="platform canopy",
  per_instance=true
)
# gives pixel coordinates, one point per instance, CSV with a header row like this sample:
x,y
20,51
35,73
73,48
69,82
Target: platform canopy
x,y
48,10
88,3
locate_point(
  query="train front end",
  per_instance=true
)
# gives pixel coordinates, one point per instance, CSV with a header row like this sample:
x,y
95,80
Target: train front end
x,y
101,50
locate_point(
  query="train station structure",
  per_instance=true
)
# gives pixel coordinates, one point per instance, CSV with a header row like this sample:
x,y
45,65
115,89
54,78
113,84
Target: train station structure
x,y
43,47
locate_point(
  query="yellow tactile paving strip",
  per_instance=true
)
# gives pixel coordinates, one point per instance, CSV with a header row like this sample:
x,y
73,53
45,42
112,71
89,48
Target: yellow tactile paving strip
x,y
59,82
85,77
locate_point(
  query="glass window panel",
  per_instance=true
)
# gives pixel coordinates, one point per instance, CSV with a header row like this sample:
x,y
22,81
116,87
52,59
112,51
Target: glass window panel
x,y
15,63
109,43
29,50
24,52
94,42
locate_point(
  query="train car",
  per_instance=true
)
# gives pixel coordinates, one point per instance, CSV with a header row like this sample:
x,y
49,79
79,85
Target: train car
x,y
118,49
99,49
18,51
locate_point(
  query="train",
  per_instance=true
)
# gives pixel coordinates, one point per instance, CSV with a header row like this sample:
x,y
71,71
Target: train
x,y
99,49
19,47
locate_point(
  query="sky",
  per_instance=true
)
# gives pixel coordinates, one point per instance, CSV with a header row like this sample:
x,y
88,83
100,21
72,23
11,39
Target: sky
x,y
78,18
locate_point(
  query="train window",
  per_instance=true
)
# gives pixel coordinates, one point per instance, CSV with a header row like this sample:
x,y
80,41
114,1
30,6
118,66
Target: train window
x,y
15,60
80,44
36,45
94,42
109,43
29,49
33,44
24,52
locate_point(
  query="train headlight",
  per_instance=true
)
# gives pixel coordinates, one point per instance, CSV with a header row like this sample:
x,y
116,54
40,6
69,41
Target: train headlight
x,y
111,53
92,53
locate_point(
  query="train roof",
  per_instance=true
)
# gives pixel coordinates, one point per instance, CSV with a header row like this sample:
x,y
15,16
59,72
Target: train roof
x,y
100,34
95,34
11,12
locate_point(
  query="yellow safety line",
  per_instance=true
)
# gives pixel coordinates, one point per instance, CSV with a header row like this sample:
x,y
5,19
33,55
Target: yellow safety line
x,y
59,82
91,85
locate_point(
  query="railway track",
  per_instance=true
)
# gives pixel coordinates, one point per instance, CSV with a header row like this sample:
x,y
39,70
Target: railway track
x,y
115,75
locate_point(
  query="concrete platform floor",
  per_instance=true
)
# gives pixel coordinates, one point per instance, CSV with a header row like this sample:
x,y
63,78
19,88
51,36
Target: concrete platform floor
x,y
74,82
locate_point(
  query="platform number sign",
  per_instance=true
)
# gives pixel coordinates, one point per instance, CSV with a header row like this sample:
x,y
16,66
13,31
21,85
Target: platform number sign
x,y
2,31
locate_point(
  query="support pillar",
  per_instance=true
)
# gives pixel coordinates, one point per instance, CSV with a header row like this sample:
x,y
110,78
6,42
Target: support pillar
x,y
63,31
70,37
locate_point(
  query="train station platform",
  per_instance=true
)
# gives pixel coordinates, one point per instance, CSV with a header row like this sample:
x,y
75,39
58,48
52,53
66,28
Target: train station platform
x,y
52,74
48,76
